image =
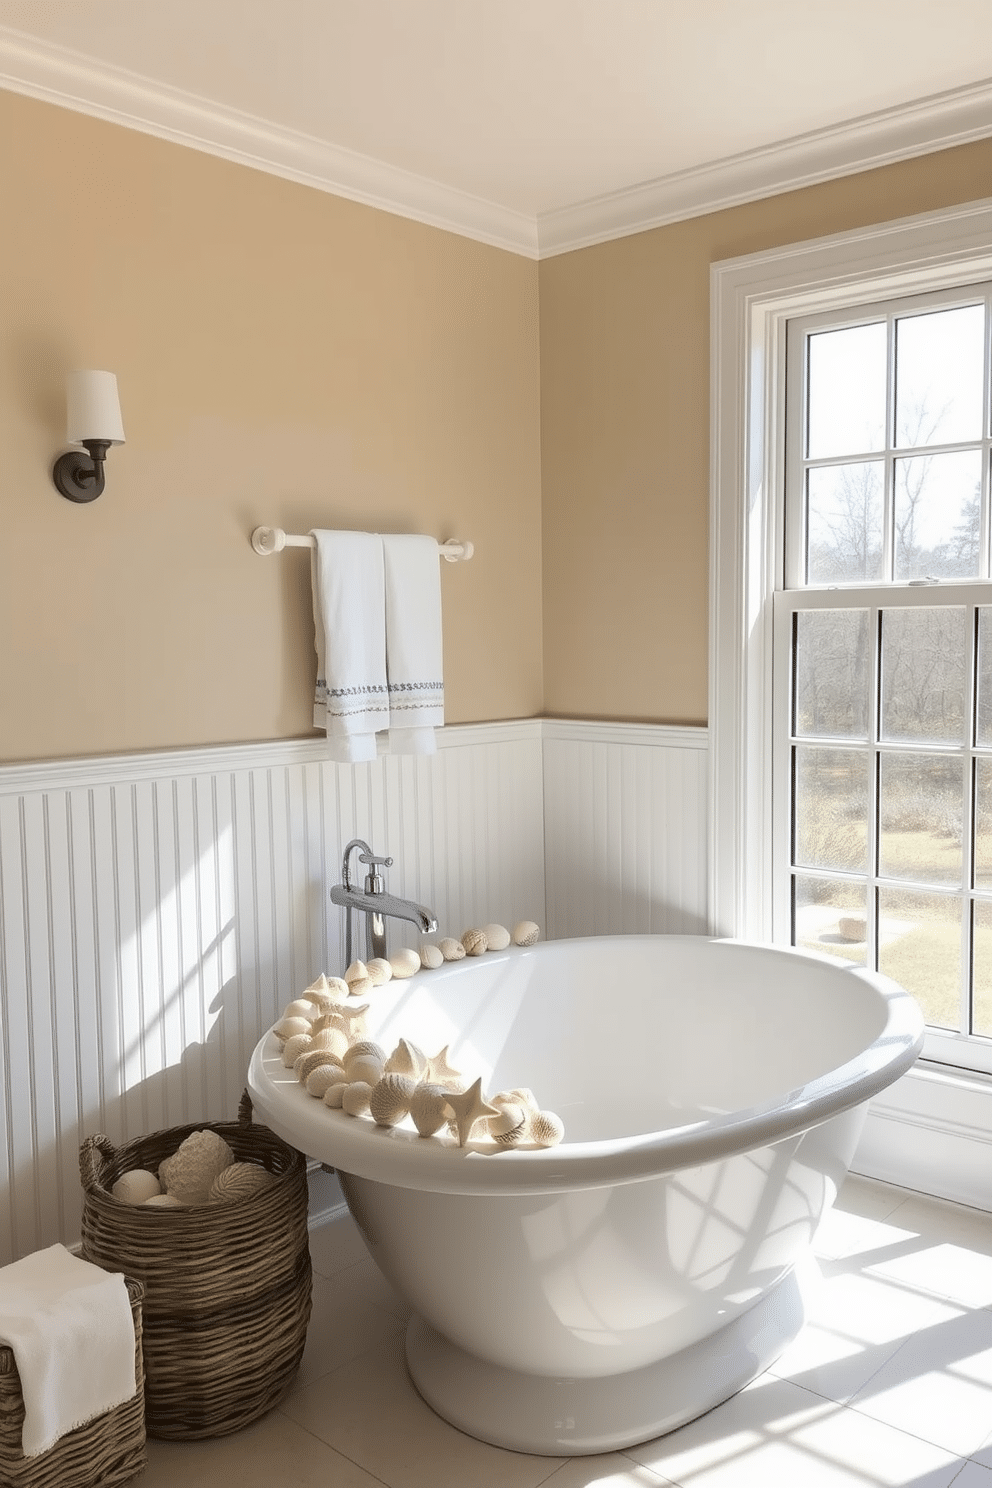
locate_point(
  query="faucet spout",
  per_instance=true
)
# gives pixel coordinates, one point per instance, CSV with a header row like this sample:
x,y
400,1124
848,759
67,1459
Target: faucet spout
x,y
374,902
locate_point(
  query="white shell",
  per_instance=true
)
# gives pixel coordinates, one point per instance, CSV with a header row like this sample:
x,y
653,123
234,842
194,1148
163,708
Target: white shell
x,y
162,1201
136,1187
299,1044
322,1002
300,1008
406,1059
430,957
286,1027
320,1080
405,962
497,935
546,1129
509,1126
190,1171
238,1181
475,942
334,1094
338,988
334,1040
526,933
380,971
356,1097
313,1059
467,1107
366,1068
429,1109
440,1072
356,971
391,1098
364,1046
350,1018
361,987
451,950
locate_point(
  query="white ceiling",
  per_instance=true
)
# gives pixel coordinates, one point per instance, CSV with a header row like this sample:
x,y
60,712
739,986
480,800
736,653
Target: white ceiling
x,y
535,123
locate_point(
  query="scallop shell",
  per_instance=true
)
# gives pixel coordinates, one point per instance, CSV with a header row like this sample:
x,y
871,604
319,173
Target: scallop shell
x,y
429,1109
497,935
380,971
361,987
300,1007
546,1129
334,1040
286,1027
365,1068
364,1046
526,933
407,1059
475,942
513,1100
451,950
390,1099
238,1181
509,1126
314,1059
299,1044
334,1094
355,972
431,957
319,1080
520,1096
356,1098
405,963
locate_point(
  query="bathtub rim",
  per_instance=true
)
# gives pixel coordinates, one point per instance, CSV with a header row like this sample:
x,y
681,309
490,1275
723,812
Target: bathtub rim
x,y
401,1157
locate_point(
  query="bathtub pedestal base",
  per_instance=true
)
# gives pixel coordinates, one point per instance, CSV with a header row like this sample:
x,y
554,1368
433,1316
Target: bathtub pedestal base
x,y
578,1417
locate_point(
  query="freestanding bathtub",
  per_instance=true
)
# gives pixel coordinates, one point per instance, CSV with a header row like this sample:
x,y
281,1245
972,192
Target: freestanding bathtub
x,y
582,1298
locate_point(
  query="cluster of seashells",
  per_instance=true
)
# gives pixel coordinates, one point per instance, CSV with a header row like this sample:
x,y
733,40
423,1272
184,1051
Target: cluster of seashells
x,y
323,1041
203,1170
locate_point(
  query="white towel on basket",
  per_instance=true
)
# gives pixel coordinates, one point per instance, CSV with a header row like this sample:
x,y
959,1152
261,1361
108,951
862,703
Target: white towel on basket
x,y
351,702
70,1326
414,659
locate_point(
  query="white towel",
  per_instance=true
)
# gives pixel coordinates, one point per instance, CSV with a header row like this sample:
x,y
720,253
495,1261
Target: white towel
x,y
414,661
351,702
69,1324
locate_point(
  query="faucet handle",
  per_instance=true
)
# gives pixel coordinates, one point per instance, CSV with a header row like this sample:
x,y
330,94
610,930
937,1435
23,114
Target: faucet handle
x,y
370,860
374,882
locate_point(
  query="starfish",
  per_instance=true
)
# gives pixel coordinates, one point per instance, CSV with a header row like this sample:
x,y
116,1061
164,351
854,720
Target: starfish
x,y
439,1071
468,1106
350,1016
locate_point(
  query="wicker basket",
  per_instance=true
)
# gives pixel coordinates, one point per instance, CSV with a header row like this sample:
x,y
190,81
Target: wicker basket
x,y
227,1285
106,1451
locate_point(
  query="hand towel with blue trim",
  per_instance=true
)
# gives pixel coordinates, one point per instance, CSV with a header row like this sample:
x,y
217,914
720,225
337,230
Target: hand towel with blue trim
x,y
414,658
351,702
70,1326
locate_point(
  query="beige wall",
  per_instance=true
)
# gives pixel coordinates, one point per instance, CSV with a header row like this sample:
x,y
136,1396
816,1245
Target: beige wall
x,y
625,412
284,357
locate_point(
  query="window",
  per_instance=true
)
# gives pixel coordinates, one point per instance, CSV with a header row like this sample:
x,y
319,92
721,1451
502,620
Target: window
x,y
882,654
853,781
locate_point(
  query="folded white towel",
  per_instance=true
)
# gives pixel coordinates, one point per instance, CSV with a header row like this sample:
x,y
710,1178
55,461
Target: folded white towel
x,y
414,660
70,1326
351,702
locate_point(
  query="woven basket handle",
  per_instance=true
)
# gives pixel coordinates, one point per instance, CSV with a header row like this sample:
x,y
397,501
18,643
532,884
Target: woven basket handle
x,y
245,1109
94,1152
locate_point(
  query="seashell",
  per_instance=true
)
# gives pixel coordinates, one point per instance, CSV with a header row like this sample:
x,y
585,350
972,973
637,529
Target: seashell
x,y
356,1097
356,971
162,1201
407,1059
467,1107
320,985
526,933
429,1109
390,1099
431,957
509,1126
286,1027
475,942
319,1080
192,1168
546,1129
514,1098
299,1044
333,1040
365,1068
497,936
238,1181
337,988
136,1186
313,1059
361,987
440,1072
364,1046
300,1008
380,971
405,963
451,950
334,1094
322,1002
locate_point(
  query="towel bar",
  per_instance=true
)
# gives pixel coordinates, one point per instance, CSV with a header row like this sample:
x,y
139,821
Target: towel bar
x,y
267,540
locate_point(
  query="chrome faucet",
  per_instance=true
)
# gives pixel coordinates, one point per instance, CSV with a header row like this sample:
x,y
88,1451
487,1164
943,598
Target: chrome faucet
x,y
374,902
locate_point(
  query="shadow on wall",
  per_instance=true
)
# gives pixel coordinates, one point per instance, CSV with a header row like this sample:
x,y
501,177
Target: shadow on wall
x,y
594,903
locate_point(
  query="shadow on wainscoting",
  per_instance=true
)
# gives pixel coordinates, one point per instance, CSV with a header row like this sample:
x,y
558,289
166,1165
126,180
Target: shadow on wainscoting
x,y
586,902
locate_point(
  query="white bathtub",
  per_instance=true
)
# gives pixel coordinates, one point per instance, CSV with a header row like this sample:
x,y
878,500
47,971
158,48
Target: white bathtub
x,y
596,1294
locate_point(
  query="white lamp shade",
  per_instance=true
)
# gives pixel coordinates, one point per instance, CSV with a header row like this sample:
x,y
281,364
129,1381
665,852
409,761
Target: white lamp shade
x,y
93,408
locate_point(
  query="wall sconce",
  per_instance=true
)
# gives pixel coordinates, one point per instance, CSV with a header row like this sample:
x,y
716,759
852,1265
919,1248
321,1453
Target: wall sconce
x,y
93,420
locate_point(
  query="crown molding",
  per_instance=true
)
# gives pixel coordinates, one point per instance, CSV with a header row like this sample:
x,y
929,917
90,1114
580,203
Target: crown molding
x,y
936,123
57,75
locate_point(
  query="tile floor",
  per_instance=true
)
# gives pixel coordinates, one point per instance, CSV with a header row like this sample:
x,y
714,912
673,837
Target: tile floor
x,y
890,1383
